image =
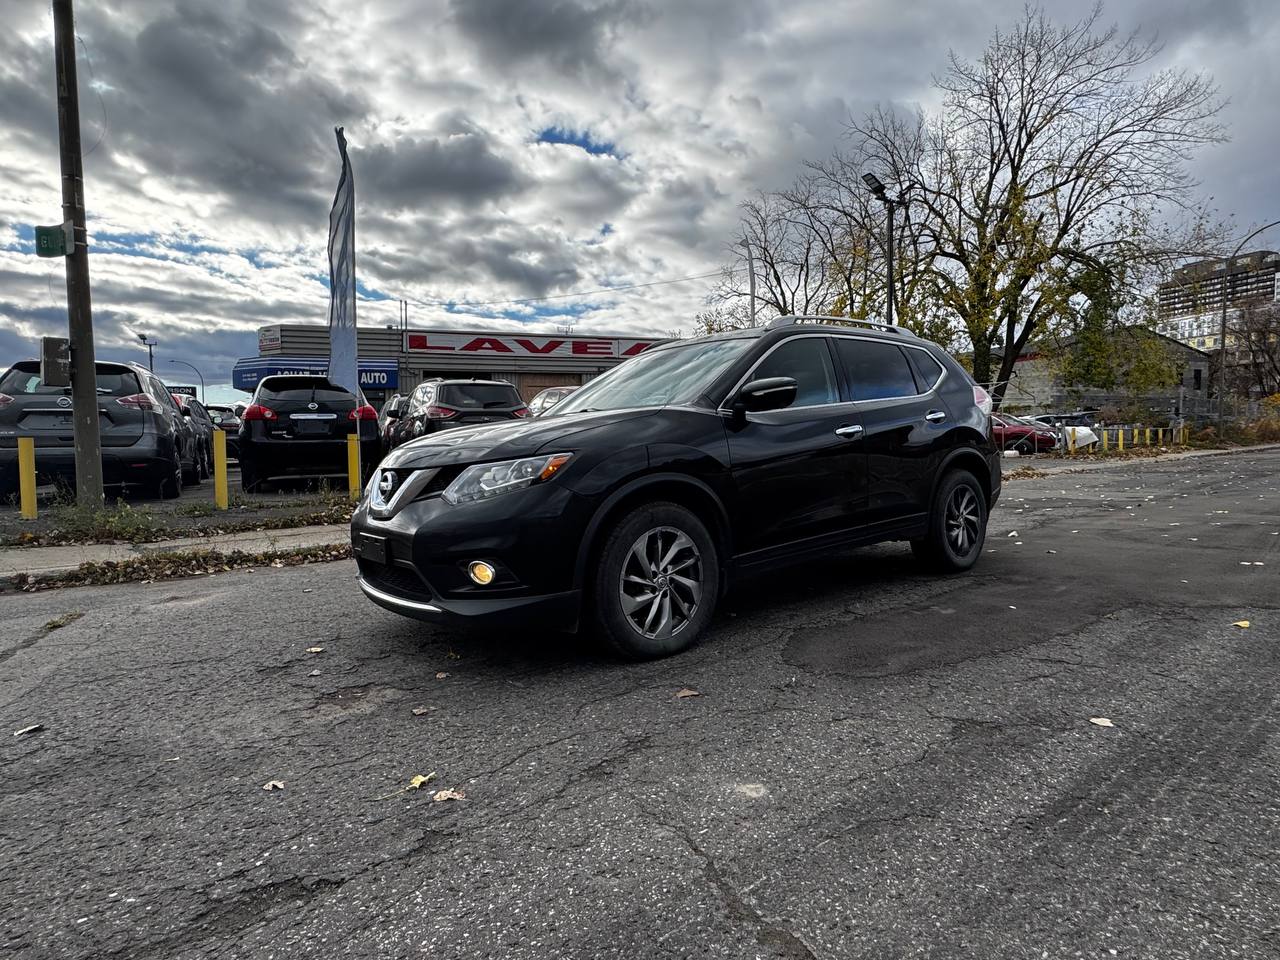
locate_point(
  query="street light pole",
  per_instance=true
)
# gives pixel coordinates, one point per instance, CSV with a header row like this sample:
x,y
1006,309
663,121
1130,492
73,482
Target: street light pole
x,y
1229,263
198,374
150,345
878,189
84,376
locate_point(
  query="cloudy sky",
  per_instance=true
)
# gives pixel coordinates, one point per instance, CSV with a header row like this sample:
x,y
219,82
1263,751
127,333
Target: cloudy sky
x,y
503,149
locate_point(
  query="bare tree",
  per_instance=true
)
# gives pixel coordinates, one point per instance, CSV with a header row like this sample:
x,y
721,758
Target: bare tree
x,y
1045,162
1256,331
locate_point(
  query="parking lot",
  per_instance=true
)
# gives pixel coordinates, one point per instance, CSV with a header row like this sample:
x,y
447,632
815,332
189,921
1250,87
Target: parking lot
x,y
877,762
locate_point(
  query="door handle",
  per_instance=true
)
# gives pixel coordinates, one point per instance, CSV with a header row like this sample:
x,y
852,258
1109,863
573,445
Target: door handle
x,y
851,431
935,416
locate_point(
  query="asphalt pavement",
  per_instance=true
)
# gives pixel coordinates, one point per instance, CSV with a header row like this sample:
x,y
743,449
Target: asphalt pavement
x,y
879,763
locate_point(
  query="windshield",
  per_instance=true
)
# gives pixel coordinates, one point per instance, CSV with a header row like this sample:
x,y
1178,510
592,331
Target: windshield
x,y
478,396
656,378
24,378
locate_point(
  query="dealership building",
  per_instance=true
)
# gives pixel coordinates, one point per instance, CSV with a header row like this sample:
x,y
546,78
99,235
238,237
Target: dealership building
x,y
395,360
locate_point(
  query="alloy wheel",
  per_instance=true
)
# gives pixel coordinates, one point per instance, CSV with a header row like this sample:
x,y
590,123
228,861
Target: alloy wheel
x,y
964,520
660,587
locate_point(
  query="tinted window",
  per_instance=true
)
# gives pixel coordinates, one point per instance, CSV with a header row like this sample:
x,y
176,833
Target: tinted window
x,y
808,361
659,376
478,396
24,378
928,370
303,389
876,371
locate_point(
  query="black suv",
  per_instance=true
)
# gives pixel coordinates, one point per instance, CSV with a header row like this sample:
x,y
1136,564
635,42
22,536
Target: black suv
x,y
297,426
145,440
445,404
631,504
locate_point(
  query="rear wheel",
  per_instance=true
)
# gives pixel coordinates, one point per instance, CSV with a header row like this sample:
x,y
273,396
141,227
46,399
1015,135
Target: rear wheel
x,y
656,583
206,463
170,485
957,524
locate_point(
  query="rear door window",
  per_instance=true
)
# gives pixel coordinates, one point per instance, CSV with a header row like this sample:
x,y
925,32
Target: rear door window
x,y
303,390
478,396
875,370
807,361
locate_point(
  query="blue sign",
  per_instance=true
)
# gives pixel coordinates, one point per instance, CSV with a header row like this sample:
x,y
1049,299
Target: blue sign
x,y
374,374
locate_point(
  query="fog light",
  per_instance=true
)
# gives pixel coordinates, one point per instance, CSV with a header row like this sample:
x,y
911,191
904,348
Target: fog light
x,y
480,572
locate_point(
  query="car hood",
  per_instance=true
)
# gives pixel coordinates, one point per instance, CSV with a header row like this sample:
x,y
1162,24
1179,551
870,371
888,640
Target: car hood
x,y
503,441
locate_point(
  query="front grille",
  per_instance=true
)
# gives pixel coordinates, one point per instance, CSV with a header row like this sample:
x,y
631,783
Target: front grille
x,y
444,476
400,581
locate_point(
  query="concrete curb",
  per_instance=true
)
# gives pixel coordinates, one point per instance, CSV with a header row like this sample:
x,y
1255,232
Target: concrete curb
x,y
1066,466
49,561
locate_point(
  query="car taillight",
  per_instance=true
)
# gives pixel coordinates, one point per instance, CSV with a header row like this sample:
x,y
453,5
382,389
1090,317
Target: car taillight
x,y
363,413
440,413
5,399
522,412
139,401
982,399
256,411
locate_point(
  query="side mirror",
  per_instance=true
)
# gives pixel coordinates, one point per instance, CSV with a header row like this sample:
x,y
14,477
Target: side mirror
x,y
393,413
771,393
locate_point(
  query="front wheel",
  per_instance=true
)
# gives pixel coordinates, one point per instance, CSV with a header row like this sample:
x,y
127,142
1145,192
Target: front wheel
x,y
957,524
657,582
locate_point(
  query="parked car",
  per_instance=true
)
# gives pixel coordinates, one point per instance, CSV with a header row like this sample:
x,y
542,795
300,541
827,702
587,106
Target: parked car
x,y
1080,418
391,423
547,399
200,421
1024,436
296,426
446,404
632,507
227,420
146,442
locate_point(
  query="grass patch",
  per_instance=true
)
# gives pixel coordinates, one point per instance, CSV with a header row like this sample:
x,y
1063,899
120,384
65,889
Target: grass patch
x,y
119,524
57,623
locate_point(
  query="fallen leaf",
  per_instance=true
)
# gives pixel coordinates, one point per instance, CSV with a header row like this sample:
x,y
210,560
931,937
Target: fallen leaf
x,y
314,673
273,785
441,675
417,782
1014,533
315,649
1101,722
31,729
1051,551
172,759
422,711
685,693
1242,624
441,796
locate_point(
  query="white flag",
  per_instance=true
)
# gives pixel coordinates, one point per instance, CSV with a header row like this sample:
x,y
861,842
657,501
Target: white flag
x,y
343,364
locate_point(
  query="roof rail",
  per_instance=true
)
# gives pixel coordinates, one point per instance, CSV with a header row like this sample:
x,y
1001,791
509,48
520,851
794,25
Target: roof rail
x,y
789,319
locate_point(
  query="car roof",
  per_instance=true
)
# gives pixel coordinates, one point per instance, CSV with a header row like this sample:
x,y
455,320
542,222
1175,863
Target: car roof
x,y
780,328
442,381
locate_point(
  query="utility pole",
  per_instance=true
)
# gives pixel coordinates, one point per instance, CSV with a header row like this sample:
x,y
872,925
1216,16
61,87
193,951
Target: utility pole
x,y
84,379
751,279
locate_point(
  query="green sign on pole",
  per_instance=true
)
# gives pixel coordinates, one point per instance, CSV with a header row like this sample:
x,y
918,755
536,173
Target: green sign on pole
x,y
57,240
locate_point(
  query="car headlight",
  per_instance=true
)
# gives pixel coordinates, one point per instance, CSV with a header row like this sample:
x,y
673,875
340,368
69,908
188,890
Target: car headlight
x,y
485,480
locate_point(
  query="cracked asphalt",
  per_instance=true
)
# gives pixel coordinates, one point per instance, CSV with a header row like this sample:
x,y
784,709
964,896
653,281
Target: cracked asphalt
x,y
881,763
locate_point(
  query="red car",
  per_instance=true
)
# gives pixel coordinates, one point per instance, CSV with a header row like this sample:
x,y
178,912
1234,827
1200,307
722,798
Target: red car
x,y
1014,433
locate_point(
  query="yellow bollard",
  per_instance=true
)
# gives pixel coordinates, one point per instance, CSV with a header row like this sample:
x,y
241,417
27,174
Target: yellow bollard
x,y
1104,440
1160,436
1148,443
220,469
353,464
1120,439
1071,439
27,476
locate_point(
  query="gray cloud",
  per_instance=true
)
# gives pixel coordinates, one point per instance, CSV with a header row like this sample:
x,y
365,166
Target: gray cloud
x,y
570,36
461,169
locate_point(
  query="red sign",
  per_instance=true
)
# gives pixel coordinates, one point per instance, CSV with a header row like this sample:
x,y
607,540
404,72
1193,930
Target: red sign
x,y
524,347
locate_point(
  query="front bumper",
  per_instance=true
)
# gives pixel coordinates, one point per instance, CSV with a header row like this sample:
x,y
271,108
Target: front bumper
x,y
415,563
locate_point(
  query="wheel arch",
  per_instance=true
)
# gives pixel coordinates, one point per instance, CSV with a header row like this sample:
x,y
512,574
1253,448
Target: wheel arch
x,y
689,492
968,459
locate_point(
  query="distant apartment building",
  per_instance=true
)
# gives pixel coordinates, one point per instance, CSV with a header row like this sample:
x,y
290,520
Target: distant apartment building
x,y
1190,304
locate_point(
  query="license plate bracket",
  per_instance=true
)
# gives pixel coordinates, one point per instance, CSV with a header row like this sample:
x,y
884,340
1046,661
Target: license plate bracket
x,y
371,548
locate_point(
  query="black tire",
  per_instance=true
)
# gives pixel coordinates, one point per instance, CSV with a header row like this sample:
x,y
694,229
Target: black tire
x,y
248,478
170,486
206,463
957,524
675,609
191,474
